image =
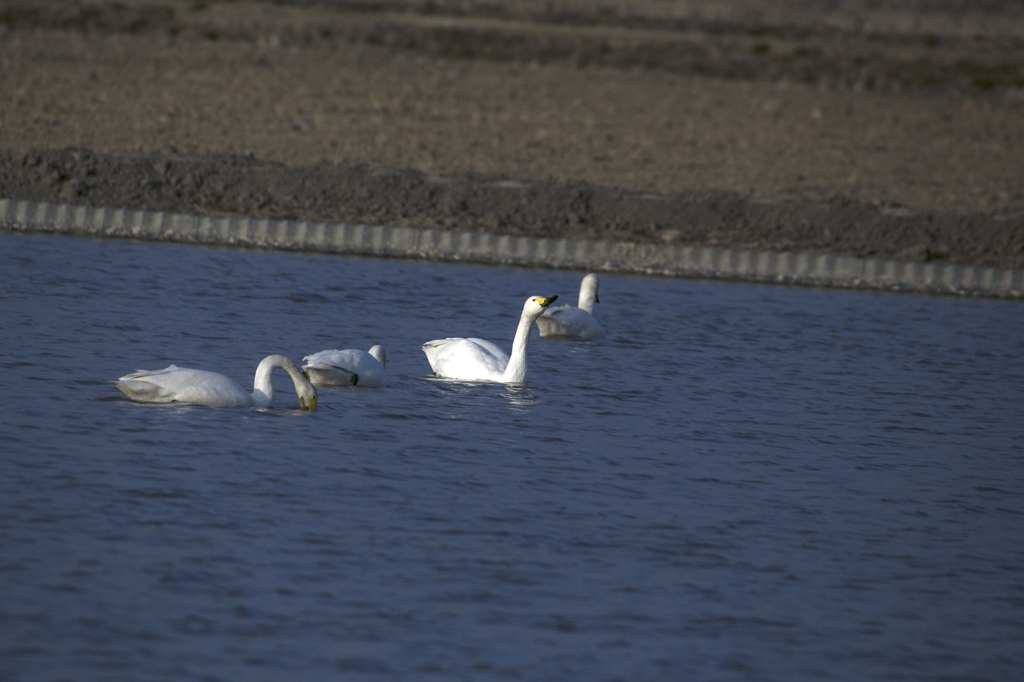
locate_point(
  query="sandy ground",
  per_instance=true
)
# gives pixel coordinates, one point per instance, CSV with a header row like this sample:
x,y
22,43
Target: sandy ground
x,y
837,127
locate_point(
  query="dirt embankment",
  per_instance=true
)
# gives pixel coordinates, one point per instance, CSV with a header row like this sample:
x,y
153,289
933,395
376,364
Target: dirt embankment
x,y
807,125
352,192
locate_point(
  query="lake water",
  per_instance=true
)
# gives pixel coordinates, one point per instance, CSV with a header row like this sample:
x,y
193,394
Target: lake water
x,y
740,483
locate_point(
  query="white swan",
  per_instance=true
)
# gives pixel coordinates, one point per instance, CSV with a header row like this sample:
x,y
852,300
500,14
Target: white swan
x,y
574,322
199,387
479,360
349,367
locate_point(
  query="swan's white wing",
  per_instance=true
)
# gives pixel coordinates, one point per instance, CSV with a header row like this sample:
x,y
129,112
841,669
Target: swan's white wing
x,y
466,359
494,351
180,385
317,359
340,367
569,321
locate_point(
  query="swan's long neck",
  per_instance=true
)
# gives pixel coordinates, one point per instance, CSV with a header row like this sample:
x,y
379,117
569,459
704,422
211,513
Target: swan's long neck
x,y
588,292
263,387
515,373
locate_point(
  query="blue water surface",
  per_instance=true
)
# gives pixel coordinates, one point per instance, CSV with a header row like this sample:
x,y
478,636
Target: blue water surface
x,y
740,482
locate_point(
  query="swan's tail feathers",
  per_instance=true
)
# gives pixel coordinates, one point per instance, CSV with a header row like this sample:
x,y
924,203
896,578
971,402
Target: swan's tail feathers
x,y
313,358
143,391
551,312
143,373
432,348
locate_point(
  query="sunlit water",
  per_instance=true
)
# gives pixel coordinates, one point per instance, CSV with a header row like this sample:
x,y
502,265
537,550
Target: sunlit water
x,y
739,483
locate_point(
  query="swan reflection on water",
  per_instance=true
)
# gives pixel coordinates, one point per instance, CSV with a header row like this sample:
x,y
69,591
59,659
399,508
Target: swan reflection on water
x,y
521,399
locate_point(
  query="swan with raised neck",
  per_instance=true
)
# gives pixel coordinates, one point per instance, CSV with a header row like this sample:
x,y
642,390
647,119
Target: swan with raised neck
x,y
578,322
472,359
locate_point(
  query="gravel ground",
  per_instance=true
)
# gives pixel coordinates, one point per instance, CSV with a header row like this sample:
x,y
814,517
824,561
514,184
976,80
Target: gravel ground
x,y
812,125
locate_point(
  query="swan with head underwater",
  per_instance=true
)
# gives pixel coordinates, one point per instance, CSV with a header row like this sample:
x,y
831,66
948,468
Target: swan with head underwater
x,y
200,387
480,360
348,367
574,322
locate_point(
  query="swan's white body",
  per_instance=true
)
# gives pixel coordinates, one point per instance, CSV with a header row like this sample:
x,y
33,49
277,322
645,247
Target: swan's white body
x,y
200,387
574,322
348,367
480,360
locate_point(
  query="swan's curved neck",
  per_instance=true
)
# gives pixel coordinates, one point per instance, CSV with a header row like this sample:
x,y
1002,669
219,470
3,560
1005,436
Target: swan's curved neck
x,y
263,388
515,372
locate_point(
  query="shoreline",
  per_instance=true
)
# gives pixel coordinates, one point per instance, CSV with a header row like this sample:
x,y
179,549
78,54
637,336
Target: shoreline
x,y
379,241
363,193
842,129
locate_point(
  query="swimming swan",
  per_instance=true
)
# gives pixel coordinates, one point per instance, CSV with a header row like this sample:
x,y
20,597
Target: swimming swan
x,y
479,360
349,367
199,387
574,322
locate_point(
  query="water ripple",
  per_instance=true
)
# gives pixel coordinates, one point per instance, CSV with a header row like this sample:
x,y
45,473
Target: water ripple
x,y
740,482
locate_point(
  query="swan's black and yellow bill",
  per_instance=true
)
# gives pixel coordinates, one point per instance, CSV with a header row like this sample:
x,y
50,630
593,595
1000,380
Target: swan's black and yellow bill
x,y
548,301
310,406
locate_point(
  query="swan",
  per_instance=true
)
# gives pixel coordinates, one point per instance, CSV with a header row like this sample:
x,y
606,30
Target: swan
x,y
199,387
479,360
571,321
349,367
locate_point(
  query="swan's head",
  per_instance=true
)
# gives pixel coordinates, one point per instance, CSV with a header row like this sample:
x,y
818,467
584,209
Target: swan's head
x,y
262,385
307,394
535,305
381,355
588,288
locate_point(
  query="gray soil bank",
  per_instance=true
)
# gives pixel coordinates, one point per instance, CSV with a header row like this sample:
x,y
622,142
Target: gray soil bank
x,y
835,128
357,193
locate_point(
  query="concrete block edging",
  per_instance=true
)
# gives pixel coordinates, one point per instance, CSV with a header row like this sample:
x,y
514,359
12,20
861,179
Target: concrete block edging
x,y
805,269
